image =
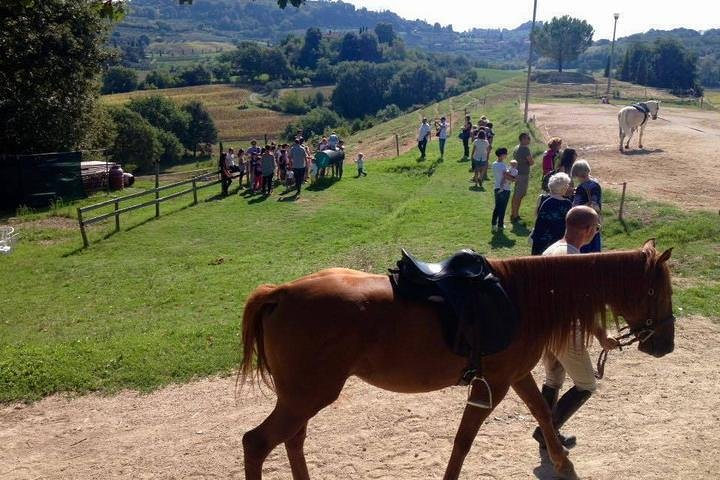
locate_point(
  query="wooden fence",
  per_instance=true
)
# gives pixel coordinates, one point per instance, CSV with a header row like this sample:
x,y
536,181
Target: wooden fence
x,y
195,183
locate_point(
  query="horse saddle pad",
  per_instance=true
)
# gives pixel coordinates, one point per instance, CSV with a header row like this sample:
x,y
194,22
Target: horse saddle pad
x,y
478,316
642,107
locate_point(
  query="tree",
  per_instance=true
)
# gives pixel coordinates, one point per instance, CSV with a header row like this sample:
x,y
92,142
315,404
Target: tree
x,y
385,33
201,128
563,39
119,80
164,114
136,142
416,84
363,47
625,69
171,148
52,55
360,88
311,51
314,123
197,75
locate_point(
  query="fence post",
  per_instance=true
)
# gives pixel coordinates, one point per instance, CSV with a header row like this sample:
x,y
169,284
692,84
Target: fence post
x,y
157,185
82,228
397,145
194,184
266,139
117,216
622,202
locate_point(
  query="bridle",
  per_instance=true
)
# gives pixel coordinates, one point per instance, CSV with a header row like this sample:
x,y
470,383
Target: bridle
x,y
632,335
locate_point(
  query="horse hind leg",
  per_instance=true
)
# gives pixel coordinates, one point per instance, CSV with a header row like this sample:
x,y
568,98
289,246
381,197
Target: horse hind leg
x,y
294,448
287,424
528,391
472,419
632,132
280,426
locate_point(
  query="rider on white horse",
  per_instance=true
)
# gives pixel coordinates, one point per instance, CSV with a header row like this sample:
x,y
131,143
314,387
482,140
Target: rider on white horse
x,y
634,116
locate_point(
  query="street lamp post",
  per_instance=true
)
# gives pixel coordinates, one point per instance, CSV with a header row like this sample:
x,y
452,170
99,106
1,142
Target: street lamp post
x,y
612,50
527,85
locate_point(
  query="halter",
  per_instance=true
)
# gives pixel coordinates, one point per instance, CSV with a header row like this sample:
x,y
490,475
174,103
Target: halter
x,y
632,334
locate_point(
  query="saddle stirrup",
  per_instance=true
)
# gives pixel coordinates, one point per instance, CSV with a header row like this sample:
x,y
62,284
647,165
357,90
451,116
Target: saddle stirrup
x,y
480,403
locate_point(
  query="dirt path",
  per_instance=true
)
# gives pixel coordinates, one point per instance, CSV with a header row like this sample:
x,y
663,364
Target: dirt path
x,y
651,419
679,163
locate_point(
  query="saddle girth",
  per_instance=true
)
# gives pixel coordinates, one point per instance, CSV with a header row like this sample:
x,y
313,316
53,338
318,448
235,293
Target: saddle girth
x,y
644,109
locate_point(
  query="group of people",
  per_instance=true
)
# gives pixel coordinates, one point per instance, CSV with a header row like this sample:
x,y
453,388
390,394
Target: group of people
x,y
291,165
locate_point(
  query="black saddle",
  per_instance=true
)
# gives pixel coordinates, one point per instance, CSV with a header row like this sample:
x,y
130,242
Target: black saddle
x,y
478,317
463,264
644,109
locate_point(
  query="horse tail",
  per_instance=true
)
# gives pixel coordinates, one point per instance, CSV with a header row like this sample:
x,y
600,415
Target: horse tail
x,y
260,303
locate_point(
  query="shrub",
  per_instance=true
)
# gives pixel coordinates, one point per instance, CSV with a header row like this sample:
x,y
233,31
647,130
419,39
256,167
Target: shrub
x,y
136,141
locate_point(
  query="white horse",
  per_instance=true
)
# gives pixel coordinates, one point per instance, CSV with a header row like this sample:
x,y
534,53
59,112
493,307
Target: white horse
x,y
634,116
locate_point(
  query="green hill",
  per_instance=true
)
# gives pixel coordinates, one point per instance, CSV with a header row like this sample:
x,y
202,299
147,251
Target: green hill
x,y
161,301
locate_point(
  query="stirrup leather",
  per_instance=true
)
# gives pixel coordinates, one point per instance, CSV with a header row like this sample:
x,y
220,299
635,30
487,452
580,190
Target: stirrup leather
x,y
480,403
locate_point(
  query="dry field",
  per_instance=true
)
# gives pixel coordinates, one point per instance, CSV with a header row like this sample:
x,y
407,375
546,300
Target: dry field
x,y
223,102
677,164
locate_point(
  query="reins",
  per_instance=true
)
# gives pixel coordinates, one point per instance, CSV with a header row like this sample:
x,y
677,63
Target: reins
x,y
631,335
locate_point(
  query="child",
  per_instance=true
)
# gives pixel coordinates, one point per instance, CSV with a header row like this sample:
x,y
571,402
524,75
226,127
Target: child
x,y
313,171
240,166
360,162
503,180
512,173
289,179
267,169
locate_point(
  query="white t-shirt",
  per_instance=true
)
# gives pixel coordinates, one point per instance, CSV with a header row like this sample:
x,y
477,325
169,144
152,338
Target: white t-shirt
x,y
423,131
499,169
231,159
360,162
333,141
481,150
443,130
560,248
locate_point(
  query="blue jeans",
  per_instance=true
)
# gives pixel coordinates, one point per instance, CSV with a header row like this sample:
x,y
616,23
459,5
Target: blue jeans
x,y
501,200
442,147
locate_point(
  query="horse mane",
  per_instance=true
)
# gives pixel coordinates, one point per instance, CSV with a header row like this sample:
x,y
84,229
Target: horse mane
x,y
557,295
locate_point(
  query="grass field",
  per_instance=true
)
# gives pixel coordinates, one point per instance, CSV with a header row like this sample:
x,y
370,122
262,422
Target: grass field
x,y
223,102
493,75
161,301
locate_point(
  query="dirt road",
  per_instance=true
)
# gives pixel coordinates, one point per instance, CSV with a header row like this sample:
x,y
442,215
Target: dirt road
x,y
679,163
651,419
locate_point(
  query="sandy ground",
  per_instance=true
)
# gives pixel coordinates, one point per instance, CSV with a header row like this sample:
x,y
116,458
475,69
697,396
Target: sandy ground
x,y
651,419
678,164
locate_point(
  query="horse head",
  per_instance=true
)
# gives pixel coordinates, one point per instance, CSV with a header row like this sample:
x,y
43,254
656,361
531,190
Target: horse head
x,y
654,107
650,319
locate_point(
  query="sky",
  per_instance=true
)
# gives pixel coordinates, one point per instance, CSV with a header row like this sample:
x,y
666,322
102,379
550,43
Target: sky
x,y
635,15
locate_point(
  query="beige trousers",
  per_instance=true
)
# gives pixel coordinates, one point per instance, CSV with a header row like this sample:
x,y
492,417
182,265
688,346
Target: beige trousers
x,y
575,361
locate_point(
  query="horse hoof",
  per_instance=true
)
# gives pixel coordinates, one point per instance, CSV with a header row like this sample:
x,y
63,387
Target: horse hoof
x,y
567,471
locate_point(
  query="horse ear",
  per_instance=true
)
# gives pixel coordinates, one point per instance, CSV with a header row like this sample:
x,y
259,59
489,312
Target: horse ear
x,y
665,256
649,245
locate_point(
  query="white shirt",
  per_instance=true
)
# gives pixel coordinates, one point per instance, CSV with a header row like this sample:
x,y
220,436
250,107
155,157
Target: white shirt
x,y
230,159
360,163
423,131
333,141
443,133
513,173
481,150
560,248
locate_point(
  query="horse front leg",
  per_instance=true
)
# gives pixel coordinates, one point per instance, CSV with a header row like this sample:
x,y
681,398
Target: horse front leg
x,y
622,139
642,130
472,419
528,391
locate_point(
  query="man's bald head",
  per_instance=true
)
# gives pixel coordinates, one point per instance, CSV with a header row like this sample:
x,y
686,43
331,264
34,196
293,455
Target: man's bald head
x,y
581,218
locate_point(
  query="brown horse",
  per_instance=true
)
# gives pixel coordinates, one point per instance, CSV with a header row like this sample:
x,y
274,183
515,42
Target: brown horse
x,y
306,337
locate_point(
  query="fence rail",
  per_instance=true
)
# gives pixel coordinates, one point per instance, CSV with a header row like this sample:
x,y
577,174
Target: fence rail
x,y
117,212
